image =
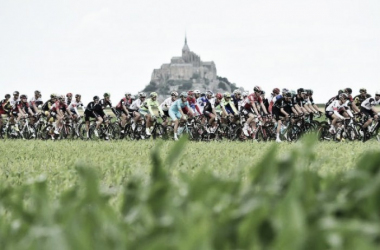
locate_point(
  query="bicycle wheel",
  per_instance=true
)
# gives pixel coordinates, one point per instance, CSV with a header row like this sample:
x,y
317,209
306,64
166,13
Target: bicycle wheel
x,y
352,134
82,130
114,131
293,133
67,132
158,131
48,132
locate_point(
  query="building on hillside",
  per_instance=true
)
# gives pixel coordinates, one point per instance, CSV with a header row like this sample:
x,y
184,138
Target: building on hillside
x,y
186,67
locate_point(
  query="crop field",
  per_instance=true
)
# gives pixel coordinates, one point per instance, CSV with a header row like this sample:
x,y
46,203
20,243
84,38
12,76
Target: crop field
x,y
189,195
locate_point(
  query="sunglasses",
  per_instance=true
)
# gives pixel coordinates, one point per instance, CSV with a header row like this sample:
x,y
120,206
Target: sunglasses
x,y
377,95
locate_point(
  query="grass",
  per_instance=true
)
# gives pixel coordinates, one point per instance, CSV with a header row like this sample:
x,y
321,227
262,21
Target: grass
x,y
166,195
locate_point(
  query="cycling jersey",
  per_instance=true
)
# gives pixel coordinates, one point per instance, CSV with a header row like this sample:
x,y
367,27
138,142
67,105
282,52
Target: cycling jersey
x,y
369,103
68,101
47,105
235,101
359,99
179,104
229,106
58,105
193,104
34,101
20,105
5,107
73,107
165,105
250,100
299,100
135,105
201,101
13,101
124,102
149,105
210,105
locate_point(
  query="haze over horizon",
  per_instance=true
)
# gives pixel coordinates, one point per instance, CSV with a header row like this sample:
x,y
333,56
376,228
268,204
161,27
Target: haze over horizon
x,y
92,47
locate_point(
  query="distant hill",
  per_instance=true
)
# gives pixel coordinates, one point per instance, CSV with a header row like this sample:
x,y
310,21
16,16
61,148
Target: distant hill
x,y
187,72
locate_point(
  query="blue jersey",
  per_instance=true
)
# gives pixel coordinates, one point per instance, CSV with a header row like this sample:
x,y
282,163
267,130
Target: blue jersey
x,y
179,104
236,101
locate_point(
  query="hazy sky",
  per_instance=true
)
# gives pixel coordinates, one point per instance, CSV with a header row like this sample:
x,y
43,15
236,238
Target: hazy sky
x,y
92,47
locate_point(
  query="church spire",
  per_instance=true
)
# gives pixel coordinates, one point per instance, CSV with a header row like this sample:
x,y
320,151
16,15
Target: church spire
x,y
185,47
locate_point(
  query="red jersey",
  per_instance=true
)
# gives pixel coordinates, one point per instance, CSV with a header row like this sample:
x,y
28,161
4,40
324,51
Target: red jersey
x,y
193,103
21,105
124,102
252,98
59,105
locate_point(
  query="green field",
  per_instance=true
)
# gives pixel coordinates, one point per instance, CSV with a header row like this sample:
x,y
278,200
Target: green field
x,y
186,195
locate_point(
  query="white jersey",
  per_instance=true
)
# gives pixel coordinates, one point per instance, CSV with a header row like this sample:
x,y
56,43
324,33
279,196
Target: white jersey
x,y
13,102
369,103
37,101
201,102
336,106
74,106
165,105
135,104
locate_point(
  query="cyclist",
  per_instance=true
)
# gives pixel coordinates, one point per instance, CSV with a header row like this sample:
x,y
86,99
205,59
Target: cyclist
x,y
310,102
281,109
134,108
165,105
193,102
228,107
57,111
236,98
20,110
90,113
299,101
332,111
75,104
368,108
15,98
148,108
356,104
197,94
272,98
176,111
201,101
5,107
35,101
209,110
47,105
250,109
122,109
69,97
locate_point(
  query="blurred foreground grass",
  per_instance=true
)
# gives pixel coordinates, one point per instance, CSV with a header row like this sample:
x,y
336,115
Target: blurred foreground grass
x,y
150,195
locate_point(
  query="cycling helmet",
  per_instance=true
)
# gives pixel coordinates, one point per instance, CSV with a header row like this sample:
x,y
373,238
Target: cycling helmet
x,y
134,97
288,94
348,90
219,96
7,96
174,93
245,93
377,92
203,94
309,91
53,96
153,94
16,93
107,94
227,95
300,90
37,92
343,95
262,92
360,90
23,96
285,90
96,98
127,94
293,93
69,95
276,91
237,92
209,92
61,97
197,92
257,89
183,94
142,94
190,92
77,95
